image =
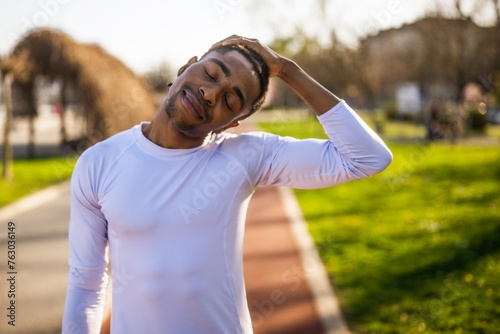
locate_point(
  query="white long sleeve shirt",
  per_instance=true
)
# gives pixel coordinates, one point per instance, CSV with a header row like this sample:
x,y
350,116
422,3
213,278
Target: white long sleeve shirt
x,y
173,220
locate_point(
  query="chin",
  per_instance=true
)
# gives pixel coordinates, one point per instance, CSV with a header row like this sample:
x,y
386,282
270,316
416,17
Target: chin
x,y
188,129
183,125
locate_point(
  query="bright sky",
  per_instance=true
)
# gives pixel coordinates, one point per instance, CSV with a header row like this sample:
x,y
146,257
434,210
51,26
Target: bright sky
x,y
144,33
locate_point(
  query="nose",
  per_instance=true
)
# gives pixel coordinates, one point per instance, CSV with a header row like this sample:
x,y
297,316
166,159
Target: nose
x,y
209,94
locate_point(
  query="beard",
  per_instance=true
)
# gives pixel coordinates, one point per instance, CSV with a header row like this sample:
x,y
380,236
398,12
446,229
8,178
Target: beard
x,y
175,114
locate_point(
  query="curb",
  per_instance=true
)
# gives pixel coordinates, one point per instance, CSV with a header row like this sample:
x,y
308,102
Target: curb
x,y
324,298
32,201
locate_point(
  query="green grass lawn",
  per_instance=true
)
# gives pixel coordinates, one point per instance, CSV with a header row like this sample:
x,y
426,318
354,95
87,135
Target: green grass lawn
x,y
415,249
31,175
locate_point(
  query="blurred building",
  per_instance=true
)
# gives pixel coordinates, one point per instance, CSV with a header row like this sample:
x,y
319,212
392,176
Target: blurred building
x,y
433,58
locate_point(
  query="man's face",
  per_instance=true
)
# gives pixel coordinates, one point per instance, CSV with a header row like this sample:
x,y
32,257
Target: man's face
x,y
212,93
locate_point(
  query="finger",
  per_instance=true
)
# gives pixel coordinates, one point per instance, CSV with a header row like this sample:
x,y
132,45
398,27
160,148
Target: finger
x,y
219,43
238,40
228,42
250,43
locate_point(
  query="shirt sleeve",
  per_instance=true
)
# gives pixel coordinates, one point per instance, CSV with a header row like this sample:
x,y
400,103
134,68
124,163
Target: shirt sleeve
x,y
87,279
353,151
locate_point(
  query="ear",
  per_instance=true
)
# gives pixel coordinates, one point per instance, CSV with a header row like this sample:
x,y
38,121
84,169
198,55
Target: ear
x,y
229,126
189,63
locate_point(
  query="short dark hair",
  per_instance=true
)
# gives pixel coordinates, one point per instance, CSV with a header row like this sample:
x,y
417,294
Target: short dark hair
x,y
259,66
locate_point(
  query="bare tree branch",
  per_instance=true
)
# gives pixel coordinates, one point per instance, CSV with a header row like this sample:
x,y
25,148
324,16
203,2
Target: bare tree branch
x,y
496,4
458,7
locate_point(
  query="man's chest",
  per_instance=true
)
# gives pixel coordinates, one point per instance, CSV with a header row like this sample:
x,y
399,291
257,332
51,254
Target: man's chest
x,y
148,194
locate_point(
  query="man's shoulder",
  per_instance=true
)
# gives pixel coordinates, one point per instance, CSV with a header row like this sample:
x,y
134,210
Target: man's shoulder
x,y
258,140
110,148
230,139
249,145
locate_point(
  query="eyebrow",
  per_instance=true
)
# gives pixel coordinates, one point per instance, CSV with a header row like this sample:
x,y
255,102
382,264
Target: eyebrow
x,y
227,72
223,67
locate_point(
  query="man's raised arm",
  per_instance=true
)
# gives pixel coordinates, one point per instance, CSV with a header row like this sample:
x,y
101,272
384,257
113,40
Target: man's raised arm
x,y
354,151
317,97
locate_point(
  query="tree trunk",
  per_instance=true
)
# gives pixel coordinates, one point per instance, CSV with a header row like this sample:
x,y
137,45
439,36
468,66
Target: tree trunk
x,y
63,101
31,140
7,172
496,3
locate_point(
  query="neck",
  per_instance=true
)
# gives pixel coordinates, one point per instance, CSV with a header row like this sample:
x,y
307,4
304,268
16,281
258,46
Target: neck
x,y
163,132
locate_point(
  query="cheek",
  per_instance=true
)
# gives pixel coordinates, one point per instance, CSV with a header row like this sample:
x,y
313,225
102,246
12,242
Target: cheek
x,y
174,91
218,122
224,118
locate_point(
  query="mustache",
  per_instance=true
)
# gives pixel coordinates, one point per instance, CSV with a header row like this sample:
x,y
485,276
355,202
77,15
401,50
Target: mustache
x,y
197,96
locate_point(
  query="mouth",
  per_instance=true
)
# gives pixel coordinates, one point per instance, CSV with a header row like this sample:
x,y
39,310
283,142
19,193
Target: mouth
x,y
192,105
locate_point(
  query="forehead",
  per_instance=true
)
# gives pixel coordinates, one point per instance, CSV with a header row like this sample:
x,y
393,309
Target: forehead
x,y
242,73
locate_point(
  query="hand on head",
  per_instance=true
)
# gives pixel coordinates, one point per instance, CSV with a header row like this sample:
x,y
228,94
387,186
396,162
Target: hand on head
x,y
274,61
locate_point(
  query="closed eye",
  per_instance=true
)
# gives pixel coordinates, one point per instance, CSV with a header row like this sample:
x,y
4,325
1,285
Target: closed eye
x,y
211,77
227,103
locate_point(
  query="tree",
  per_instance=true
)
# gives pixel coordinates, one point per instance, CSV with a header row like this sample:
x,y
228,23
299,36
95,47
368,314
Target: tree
x,y
335,66
7,171
474,10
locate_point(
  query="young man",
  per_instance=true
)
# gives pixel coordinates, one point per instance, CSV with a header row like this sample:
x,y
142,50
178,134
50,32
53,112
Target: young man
x,y
169,197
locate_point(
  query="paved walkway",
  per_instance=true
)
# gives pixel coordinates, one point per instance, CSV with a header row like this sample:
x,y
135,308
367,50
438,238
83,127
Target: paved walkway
x,y
279,296
287,287
41,261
